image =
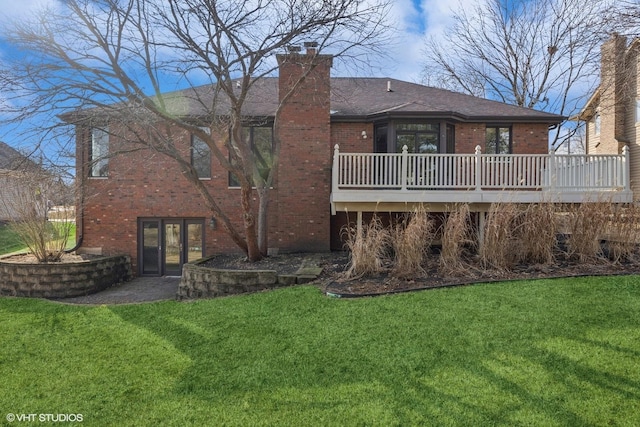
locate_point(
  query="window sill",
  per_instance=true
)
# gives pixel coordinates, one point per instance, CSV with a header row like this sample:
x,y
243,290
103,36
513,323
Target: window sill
x,y
238,188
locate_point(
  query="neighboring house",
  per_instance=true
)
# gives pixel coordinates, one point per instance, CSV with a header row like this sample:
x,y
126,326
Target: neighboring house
x,y
612,114
12,164
139,204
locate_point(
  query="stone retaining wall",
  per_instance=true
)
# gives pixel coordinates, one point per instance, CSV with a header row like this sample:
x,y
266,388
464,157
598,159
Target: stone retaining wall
x,y
204,282
62,280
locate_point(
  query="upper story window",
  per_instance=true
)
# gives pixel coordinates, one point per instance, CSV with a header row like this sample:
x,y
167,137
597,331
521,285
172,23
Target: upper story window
x,y
201,157
99,152
597,124
418,137
637,110
261,141
498,140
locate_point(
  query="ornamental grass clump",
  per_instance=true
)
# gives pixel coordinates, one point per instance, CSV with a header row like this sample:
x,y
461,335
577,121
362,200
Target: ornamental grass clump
x,y
623,235
587,223
368,248
411,240
457,238
536,233
499,246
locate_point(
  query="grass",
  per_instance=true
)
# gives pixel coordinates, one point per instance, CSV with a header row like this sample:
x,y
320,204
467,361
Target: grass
x,y
10,242
549,352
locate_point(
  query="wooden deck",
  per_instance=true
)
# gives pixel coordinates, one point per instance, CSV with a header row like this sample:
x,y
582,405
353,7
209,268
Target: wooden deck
x,y
370,182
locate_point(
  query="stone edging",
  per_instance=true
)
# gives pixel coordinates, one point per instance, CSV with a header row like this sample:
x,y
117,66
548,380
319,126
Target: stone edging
x,y
63,280
205,282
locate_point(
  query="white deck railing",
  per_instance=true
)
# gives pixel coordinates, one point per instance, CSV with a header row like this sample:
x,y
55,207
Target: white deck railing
x,y
511,172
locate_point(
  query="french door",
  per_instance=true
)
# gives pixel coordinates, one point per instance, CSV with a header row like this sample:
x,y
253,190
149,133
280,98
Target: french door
x,y
166,244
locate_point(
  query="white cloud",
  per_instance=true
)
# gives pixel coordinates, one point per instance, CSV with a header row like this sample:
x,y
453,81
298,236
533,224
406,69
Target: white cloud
x,y
415,22
11,10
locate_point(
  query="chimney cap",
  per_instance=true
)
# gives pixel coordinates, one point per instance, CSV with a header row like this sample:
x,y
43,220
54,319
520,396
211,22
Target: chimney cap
x,y
294,48
310,44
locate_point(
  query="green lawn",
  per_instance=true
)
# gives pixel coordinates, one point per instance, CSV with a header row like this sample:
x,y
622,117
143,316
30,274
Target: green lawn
x,y
549,352
10,242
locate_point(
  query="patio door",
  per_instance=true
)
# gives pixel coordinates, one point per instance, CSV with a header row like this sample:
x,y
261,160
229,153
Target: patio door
x,y
166,244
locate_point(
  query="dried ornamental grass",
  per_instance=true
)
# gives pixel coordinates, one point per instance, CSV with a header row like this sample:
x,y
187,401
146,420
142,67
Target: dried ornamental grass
x,y
457,235
588,223
497,249
624,233
368,248
537,234
411,241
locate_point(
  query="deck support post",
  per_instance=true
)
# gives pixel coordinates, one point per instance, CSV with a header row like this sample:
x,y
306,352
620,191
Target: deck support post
x,y
481,220
359,224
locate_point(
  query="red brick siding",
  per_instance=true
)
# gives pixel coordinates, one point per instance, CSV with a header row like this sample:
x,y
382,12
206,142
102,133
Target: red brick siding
x,y
528,138
349,137
304,176
148,184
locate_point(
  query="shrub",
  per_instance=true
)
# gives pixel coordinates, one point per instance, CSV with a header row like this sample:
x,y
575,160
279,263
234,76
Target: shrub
x,y
28,201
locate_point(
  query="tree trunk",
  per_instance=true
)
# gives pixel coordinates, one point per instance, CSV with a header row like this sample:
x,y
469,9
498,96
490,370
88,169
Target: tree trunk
x,y
249,220
263,230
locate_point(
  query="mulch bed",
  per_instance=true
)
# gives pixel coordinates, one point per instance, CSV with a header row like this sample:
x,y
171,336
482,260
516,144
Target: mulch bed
x,y
333,280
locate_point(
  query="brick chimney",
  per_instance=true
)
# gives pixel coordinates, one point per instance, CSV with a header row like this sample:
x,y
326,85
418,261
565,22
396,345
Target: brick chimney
x,y
612,103
304,173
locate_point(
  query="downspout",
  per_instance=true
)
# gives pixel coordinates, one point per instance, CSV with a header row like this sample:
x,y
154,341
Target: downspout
x,y
80,213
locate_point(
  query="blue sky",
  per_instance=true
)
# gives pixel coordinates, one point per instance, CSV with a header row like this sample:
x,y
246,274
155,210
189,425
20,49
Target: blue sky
x,y
415,20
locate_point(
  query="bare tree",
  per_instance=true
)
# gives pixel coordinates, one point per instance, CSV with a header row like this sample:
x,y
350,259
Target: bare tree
x,y
114,59
625,17
539,54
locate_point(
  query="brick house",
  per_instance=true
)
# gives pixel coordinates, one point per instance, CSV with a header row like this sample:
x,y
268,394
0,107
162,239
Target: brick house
x,y
342,150
612,114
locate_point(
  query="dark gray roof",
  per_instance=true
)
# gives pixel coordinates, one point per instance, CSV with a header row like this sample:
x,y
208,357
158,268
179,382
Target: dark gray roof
x,y
9,157
358,99
370,97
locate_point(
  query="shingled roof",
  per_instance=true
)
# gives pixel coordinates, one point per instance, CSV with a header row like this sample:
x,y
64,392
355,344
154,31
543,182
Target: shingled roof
x,y
9,157
374,97
361,99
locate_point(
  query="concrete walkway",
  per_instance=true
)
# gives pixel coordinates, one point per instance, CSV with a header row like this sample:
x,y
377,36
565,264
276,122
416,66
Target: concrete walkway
x,y
140,289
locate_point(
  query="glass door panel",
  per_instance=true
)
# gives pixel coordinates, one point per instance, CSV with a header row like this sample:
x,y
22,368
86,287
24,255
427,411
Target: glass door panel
x,y
194,242
427,143
150,247
408,140
172,249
